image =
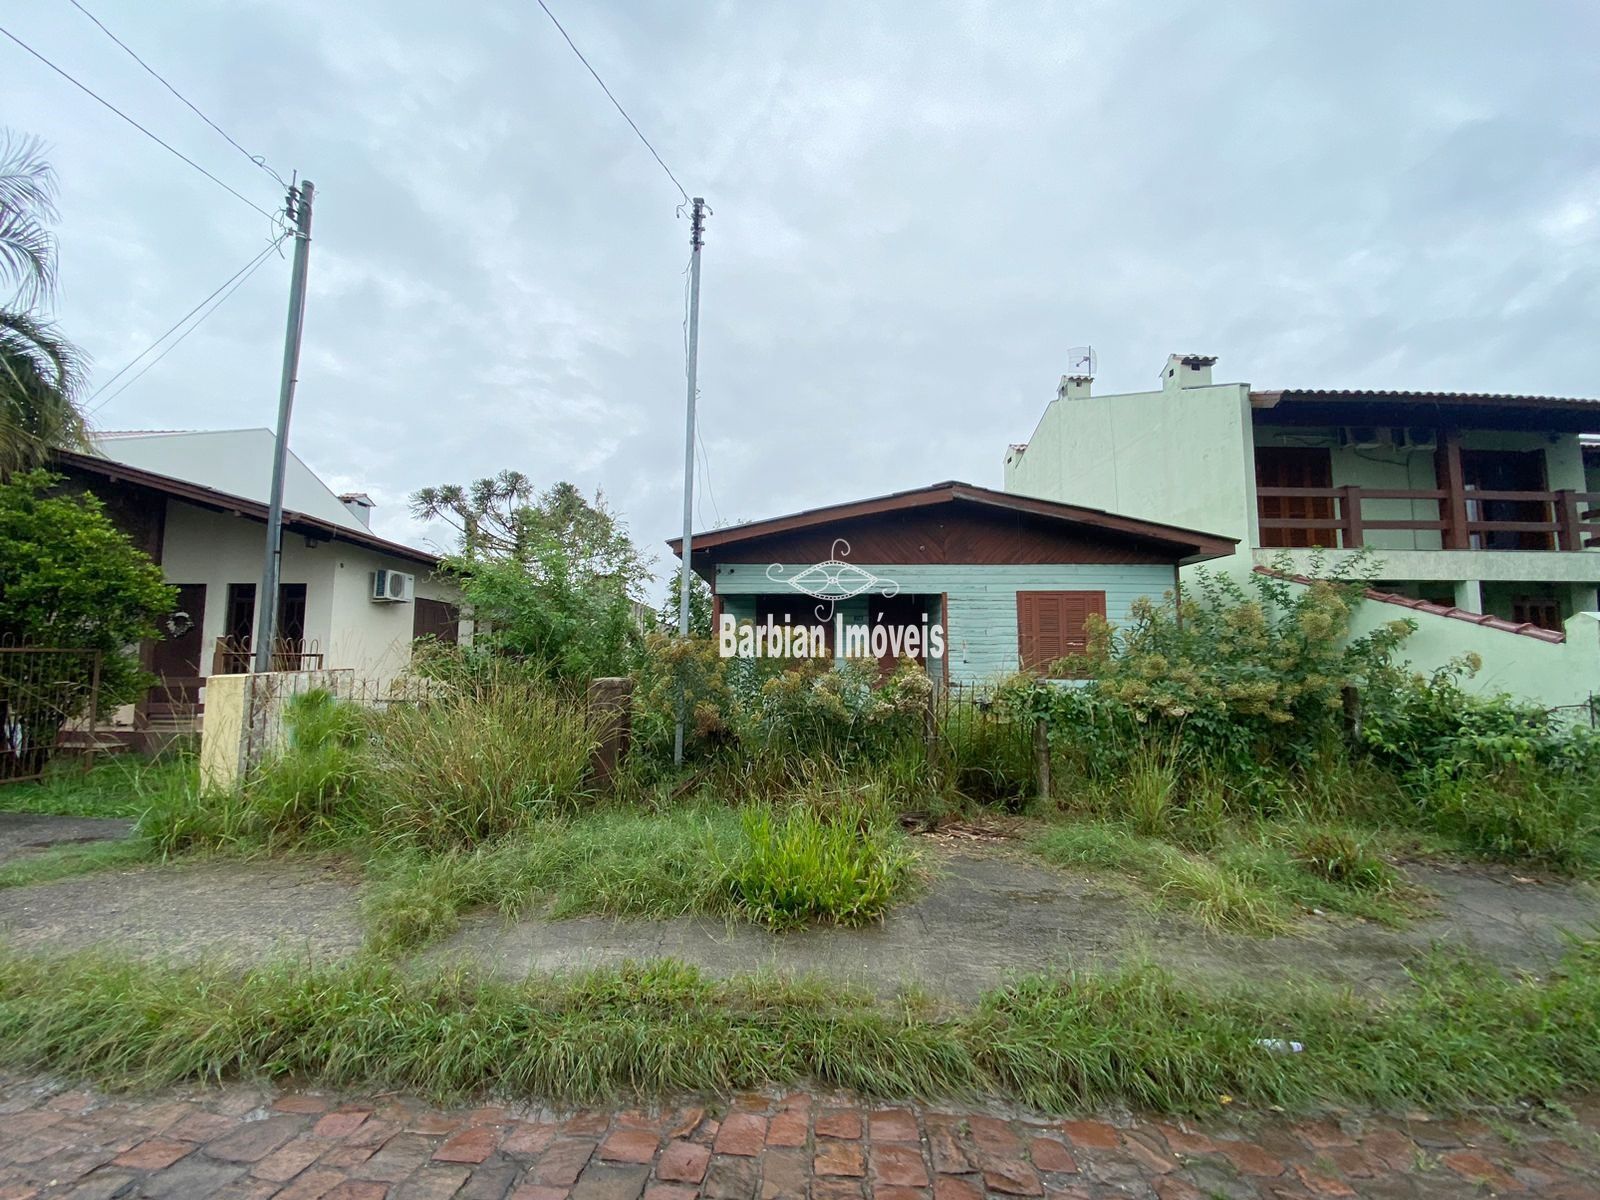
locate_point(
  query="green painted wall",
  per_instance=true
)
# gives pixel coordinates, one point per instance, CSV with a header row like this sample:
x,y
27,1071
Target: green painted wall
x,y
981,629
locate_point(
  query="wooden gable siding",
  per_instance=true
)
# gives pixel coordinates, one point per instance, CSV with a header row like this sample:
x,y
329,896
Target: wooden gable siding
x,y
951,534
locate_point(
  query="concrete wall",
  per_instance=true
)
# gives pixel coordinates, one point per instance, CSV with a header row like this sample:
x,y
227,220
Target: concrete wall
x,y
1181,456
1551,674
981,625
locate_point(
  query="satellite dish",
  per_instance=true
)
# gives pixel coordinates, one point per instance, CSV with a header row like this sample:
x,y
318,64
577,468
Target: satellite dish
x,y
1081,362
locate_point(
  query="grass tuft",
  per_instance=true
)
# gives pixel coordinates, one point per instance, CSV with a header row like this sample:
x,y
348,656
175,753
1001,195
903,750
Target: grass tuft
x,y
1461,1035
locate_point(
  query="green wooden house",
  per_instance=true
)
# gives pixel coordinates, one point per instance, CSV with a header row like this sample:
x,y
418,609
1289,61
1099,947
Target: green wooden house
x,y
991,582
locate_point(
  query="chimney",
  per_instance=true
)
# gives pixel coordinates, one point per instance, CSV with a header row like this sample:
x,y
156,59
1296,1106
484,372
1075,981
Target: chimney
x,y
1186,371
1073,387
360,506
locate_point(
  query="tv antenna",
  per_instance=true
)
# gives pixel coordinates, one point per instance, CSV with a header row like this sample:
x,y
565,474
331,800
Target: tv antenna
x,y
1081,362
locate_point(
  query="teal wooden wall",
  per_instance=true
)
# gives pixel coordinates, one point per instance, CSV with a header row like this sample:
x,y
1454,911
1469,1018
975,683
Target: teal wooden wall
x,y
981,627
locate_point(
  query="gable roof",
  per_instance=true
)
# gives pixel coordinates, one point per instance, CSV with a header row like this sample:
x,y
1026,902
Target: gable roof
x,y
1184,545
308,524
1566,414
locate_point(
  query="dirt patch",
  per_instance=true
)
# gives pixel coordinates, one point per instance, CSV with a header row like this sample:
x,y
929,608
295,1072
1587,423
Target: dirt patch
x,y
227,910
25,834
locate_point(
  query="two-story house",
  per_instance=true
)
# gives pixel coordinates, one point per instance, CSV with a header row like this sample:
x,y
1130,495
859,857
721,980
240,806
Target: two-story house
x,y
1482,512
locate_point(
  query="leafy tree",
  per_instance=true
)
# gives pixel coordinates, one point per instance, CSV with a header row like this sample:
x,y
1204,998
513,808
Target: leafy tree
x,y
41,375
69,578
549,576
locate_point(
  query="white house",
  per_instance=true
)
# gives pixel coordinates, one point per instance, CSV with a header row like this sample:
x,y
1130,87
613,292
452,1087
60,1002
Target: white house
x,y
197,503
1480,510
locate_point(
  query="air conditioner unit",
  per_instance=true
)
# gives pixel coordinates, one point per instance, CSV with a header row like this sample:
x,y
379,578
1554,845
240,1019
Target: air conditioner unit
x,y
1422,438
1360,437
392,587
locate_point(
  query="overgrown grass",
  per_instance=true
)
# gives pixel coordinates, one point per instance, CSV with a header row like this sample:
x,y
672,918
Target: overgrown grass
x,y
1462,1035
779,868
618,862
1255,885
792,867
116,786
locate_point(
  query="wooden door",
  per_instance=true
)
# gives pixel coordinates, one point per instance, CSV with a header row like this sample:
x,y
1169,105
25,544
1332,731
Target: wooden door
x,y
1052,625
898,613
1296,467
177,659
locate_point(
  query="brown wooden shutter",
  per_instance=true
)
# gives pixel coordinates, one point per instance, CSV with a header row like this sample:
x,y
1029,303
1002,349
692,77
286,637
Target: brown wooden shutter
x,y
1052,625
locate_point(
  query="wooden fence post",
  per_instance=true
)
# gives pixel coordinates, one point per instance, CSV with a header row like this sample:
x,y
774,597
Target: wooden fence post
x,y
1041,756
610,705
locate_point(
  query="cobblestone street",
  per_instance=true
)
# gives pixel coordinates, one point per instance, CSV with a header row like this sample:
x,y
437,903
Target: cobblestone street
x,y
244,1142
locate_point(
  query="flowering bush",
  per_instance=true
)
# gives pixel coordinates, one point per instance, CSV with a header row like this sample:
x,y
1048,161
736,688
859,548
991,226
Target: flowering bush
x,y
811,707
1249,677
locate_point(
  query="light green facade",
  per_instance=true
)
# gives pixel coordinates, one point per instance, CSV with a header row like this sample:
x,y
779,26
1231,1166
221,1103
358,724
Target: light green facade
x,y
981,624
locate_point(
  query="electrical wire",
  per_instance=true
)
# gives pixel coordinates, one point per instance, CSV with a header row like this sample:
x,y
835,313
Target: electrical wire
x,y
614,101
257,159
179,339
240,275
275,218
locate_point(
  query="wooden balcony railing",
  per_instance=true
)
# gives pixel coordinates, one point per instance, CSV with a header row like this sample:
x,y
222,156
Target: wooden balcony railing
x,y
1570,520
233,656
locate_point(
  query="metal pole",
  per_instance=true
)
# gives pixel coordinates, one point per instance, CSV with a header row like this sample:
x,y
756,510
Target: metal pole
x,y
267,598
697,227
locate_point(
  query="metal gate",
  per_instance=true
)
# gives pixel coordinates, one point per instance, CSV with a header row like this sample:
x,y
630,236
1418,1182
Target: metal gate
x,y
45,691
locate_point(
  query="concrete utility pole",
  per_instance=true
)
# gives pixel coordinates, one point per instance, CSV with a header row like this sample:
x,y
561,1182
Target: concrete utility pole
x,y
697,229
299,208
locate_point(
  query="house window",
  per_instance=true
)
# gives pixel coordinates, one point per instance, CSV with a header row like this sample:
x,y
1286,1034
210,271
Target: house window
x,y
1051,625
240,619
436,619
291,612
1541,611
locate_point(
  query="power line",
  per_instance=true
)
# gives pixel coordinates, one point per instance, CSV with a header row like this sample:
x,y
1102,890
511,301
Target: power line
x,y
179,339
240,275
614,102
273,217
257,159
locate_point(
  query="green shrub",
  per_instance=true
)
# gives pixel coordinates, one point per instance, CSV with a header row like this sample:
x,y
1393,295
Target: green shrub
x,y
803,865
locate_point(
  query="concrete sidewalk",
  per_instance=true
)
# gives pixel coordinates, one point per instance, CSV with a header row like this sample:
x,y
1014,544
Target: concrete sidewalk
x,y
243,1142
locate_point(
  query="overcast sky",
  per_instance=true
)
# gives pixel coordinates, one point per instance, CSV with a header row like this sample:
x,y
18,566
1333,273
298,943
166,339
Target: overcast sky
x,y
918,208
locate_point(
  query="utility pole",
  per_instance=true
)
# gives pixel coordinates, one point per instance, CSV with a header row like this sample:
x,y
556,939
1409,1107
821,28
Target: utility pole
x,y
299,208
697,229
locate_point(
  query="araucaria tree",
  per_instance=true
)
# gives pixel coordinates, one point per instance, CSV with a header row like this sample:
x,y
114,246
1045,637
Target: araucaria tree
x,y
551,577
40,373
